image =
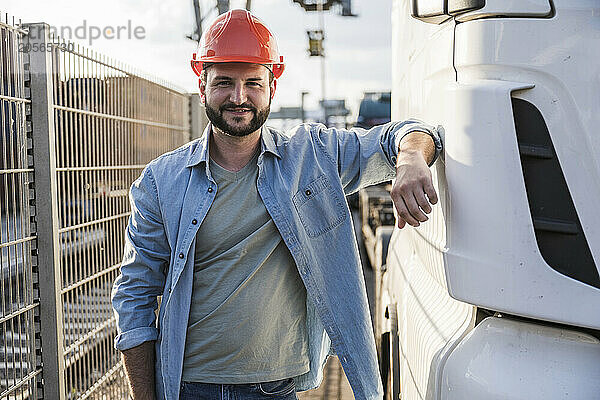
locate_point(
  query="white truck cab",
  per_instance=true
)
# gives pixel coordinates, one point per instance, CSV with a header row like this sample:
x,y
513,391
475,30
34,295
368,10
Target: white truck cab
x,y
497,296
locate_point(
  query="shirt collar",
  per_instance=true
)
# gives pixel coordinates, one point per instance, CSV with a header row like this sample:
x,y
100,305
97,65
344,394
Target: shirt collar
x,y
268,142
201,151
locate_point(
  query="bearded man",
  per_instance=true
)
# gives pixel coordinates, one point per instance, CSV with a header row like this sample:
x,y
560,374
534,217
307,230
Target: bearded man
x,y
246,235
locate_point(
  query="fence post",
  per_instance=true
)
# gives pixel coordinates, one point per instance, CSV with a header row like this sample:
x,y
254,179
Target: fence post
x,y
46,205
198,119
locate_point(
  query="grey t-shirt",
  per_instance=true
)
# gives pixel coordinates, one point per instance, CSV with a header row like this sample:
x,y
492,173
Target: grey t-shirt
x,y
247,320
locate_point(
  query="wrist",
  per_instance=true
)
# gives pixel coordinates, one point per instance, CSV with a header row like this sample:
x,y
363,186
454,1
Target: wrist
x,y
415,144
410,156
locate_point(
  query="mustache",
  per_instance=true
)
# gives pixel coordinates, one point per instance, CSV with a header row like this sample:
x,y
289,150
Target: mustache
x,y
231,106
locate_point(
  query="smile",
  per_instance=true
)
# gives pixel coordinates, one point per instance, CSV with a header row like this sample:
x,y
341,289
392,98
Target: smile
x,y
238,111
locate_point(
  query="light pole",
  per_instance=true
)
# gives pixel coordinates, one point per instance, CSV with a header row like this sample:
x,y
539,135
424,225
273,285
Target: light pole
x,y
302,106
322,29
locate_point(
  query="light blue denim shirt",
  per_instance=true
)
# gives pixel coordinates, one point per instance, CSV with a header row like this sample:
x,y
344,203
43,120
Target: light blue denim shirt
x,y
303,179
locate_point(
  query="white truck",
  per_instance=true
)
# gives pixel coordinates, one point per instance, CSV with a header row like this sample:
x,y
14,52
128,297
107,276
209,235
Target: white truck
x,y
497,296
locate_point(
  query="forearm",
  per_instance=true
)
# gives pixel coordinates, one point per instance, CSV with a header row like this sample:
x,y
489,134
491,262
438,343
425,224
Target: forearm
x,y
414,144
139,367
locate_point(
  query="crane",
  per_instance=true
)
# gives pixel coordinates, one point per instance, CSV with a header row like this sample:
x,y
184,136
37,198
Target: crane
x,y
209,7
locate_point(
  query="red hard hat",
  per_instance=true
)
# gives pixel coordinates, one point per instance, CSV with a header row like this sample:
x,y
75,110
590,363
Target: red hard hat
x,y
238,36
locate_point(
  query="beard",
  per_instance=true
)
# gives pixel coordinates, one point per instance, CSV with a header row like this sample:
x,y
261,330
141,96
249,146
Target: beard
x,y
215,116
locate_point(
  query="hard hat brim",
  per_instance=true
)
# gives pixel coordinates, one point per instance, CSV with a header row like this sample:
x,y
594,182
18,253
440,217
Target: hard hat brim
x,y
197,66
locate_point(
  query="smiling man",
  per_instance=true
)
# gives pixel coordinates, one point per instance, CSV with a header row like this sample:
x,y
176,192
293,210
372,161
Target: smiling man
x,y
246,235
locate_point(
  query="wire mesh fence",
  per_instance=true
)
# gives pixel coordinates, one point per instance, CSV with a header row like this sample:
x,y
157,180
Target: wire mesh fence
x,y
109,123
105,121
19,365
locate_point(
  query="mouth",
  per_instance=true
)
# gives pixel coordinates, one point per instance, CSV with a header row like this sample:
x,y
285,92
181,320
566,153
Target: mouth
x,y
239,111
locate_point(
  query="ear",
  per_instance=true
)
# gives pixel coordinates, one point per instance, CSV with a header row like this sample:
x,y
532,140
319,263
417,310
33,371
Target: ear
x,y
202,86
273,88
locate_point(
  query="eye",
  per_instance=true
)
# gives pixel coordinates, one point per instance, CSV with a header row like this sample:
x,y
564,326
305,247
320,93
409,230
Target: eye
x,y
254,84
222,84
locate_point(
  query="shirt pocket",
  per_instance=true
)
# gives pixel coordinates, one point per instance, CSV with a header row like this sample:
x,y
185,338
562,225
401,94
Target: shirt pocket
x,y
319,207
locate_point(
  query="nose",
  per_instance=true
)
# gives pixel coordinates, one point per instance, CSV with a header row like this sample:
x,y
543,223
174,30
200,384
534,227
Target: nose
x,y
238,94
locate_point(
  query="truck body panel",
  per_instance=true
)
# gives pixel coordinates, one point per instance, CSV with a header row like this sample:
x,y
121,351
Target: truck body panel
x,y
509,272
516,230
503,359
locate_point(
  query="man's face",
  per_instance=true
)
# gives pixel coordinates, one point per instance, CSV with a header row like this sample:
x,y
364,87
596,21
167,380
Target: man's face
x,y
237,97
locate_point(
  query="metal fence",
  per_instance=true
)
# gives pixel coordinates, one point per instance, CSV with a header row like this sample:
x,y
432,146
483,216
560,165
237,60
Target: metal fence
x,y
94,124
20,366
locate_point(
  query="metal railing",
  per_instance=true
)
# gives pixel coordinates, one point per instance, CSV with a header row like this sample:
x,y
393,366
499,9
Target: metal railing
x,y
93,123
20,368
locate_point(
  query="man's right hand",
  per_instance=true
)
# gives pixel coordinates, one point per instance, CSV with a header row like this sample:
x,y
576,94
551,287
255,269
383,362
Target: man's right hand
x,y
139,366
413,192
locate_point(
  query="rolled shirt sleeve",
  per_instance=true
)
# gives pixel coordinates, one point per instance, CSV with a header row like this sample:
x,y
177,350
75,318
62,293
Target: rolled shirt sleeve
x,y
368,157
415,125
142,274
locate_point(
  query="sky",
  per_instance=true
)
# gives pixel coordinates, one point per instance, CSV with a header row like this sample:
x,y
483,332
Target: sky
x,y
358,49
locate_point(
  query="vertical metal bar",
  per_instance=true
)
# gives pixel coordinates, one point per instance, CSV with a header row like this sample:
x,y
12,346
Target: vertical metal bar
x,y
74,317
96,174
65,141
4,206
92,182
12,225
137,132
69,266
19,225
51,312
29,212
82,366
126,143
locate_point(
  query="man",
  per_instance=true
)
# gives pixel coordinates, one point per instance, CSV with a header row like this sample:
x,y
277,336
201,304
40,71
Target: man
x,y
246,235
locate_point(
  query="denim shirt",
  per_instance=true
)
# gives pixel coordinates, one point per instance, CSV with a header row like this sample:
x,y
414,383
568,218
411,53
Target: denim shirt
x,y
303,179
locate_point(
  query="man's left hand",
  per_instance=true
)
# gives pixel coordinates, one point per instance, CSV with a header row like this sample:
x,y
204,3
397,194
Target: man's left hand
x,y
413,193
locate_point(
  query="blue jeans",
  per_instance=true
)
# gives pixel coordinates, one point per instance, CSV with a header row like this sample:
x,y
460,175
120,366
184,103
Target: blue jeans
x,y
284,389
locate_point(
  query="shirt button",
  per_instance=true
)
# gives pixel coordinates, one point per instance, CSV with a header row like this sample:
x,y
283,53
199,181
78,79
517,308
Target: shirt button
x,y
181,255
194,221
210,190
308,192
